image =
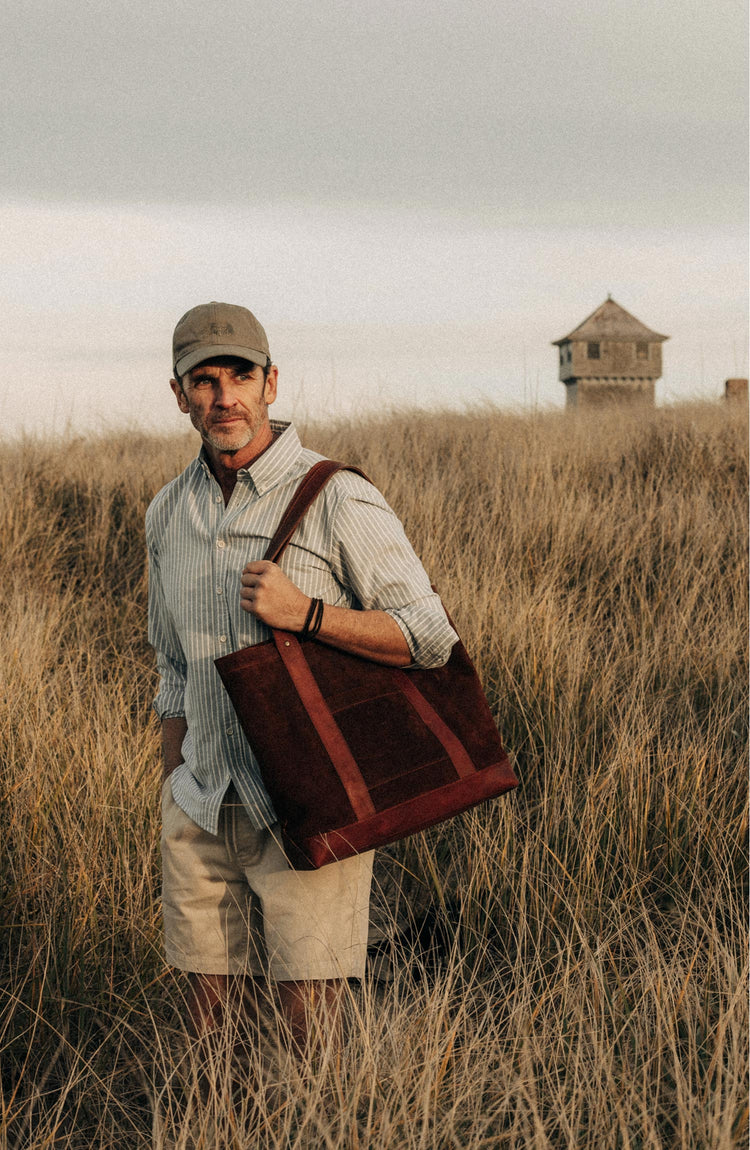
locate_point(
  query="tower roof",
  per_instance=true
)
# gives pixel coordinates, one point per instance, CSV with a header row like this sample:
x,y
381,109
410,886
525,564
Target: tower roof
x,y
610,321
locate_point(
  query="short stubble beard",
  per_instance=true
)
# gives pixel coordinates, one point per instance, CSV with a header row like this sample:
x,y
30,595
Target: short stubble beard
x,y
219,443
246,435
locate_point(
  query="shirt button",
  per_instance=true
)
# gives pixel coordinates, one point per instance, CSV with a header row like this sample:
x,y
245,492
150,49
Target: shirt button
x,y
219,591
221,543
222,638
217,499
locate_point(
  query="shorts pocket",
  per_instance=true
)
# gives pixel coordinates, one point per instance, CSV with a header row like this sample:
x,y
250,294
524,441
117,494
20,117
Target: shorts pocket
x,y
166,793
176,826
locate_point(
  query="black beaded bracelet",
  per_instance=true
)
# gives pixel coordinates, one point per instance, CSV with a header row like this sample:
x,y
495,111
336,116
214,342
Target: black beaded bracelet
x,y
308,618
313,619
317,619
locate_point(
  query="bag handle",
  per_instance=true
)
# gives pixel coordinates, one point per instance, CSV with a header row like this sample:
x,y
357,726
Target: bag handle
x,y
291,653
311,486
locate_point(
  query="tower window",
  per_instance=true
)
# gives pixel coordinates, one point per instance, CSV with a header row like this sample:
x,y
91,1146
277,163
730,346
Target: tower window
x,y
593,351
641,350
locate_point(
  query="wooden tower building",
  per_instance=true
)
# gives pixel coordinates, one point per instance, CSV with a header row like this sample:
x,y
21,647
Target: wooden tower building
x,y
610,356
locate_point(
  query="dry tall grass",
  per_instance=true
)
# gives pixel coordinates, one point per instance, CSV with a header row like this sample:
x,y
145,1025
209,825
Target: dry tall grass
x,y
589,989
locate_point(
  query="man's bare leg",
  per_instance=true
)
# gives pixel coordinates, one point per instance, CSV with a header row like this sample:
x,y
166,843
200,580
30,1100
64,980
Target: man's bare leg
x,y
300,1003
316,1004
206,1002
224,1018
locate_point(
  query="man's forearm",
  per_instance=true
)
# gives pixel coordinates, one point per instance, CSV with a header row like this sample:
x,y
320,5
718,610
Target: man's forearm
x,y
173,732
371,634
271,596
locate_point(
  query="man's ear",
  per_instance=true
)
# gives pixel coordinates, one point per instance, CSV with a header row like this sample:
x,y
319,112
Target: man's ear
x,y
271,384
182,402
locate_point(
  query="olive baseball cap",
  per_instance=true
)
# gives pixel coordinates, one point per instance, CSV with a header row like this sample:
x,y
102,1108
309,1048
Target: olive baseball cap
x,y
218,329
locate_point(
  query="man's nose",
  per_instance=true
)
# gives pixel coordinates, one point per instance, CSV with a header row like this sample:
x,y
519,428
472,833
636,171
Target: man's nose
x,y
224,393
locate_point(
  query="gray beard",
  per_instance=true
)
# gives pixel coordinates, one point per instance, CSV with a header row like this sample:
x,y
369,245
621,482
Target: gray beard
x,y
219,443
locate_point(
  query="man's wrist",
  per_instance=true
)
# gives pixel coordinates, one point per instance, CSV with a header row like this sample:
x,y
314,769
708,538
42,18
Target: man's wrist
x,y
308,616
313,619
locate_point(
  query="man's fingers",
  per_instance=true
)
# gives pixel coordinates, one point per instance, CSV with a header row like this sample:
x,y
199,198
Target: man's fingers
x,y
253,573
247,599
257,567
251,579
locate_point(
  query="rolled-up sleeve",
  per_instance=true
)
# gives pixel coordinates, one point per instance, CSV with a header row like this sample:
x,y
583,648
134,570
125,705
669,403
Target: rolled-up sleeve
x,y
372,555
169,702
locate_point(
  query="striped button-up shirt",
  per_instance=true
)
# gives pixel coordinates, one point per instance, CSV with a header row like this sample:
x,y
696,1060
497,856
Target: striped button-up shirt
x,y
349,550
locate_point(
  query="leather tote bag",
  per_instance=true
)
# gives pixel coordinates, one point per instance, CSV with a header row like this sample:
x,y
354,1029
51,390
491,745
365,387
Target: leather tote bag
x,y
355,754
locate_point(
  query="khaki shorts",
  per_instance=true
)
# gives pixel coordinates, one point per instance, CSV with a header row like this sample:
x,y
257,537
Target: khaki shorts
x,y
232,904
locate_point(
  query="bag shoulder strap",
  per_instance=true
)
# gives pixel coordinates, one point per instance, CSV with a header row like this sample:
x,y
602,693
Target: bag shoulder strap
x,y
311,486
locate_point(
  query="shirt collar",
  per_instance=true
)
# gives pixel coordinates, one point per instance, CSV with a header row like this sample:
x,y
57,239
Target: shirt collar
x,y
276,461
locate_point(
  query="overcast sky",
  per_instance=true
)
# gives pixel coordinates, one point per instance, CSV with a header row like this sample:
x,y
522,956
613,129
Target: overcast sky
x,y
415,198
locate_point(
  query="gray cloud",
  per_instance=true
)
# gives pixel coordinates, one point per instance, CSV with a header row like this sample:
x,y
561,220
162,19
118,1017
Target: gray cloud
x,y
559,113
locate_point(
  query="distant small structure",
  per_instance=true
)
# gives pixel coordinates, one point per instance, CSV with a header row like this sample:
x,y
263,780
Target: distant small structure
x,y
611,356
735,389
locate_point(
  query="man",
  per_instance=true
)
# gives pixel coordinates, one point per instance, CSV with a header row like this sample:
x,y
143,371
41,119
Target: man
x,y
235,914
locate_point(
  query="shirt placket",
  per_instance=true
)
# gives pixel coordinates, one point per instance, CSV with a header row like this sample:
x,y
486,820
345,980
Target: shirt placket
x,y
220,567
221,575
228,565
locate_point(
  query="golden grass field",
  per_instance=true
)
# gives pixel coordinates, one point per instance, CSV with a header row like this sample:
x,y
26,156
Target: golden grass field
x,y
590,985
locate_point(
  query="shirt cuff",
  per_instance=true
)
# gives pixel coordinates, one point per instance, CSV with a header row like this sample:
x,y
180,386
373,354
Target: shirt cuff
x,y
427,631
170,704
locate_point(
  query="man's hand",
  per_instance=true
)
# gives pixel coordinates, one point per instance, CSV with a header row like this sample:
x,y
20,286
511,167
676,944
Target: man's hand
x,y
271,596
173,732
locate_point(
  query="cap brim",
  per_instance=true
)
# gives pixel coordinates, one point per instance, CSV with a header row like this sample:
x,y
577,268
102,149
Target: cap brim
x,y
193,358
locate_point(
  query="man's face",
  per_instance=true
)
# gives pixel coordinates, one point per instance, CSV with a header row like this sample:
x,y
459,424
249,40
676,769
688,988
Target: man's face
x,y
227,401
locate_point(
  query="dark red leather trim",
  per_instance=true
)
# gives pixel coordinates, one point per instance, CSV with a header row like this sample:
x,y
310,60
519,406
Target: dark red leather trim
x,y
453,746
405,819
334,742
